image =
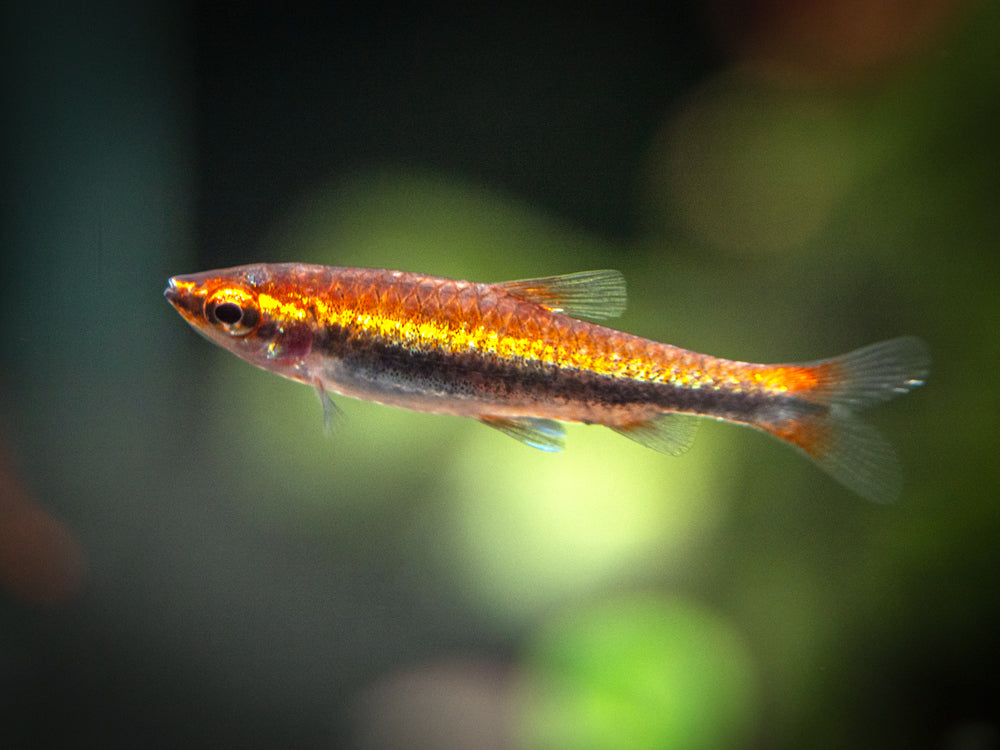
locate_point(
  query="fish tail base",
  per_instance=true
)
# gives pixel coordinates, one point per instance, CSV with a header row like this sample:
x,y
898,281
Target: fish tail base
x,y
824,424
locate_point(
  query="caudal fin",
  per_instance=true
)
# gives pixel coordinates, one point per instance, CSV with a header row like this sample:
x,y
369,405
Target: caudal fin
x,y
821,418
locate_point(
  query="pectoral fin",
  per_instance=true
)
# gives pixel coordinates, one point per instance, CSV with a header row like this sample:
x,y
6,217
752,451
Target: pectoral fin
x,y
330,409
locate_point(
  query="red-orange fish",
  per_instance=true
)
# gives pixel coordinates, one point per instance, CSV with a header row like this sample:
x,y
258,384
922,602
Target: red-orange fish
x,y
517,357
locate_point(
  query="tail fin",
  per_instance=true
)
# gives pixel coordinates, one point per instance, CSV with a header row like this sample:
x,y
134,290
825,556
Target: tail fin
x,y
821,420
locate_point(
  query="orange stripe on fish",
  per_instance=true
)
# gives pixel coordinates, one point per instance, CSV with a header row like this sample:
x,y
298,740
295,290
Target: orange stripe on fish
x,y
518,357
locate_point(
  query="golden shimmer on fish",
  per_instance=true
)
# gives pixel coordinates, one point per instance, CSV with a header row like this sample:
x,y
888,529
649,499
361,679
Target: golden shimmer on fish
x,y
518,357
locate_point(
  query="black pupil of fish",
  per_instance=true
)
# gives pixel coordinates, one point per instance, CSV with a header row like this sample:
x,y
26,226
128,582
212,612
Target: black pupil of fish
x,y
228,313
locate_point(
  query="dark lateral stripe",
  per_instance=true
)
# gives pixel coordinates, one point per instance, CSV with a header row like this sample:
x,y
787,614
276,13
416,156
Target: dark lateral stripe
x,y
472,375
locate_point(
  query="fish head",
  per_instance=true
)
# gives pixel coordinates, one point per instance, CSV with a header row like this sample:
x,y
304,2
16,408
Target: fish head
x,y
241,310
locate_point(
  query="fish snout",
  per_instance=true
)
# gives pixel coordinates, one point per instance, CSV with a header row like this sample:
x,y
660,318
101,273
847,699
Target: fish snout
x,y
182,296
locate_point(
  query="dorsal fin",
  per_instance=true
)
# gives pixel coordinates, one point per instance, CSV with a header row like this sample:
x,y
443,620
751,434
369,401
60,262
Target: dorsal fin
x,y
586,294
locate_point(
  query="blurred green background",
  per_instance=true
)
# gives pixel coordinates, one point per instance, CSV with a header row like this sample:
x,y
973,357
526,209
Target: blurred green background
x,y
187,560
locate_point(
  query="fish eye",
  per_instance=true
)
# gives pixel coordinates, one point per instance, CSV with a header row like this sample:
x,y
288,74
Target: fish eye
x,y
229,313
234,310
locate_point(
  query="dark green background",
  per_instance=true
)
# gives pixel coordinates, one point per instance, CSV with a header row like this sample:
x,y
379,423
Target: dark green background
x,y
252,582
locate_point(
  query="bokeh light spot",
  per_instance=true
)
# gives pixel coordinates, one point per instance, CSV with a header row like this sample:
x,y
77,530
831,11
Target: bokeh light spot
x,y
751,169
636,673
529,530
41,561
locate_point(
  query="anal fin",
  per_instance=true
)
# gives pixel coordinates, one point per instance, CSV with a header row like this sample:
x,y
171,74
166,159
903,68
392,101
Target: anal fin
x,y
668,433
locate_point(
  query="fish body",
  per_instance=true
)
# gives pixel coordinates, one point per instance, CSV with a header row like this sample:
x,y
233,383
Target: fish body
x,y
519,357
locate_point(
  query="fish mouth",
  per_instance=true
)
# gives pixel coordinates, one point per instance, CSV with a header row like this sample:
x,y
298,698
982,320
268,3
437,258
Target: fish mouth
x,y
174,293
182,295
171,292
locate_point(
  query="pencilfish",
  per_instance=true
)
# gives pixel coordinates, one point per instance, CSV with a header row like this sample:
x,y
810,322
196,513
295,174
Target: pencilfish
x,y
519,357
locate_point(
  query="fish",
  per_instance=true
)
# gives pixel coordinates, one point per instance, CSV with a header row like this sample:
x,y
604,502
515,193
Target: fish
x,y
524,357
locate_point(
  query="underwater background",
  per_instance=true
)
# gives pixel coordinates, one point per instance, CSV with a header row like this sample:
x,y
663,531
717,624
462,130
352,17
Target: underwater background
x,y
186,559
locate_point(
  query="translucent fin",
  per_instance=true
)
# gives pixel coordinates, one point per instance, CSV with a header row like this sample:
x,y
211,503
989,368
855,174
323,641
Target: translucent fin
x,y
853,453
331,411
874,373
668,433
587,294
544,434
